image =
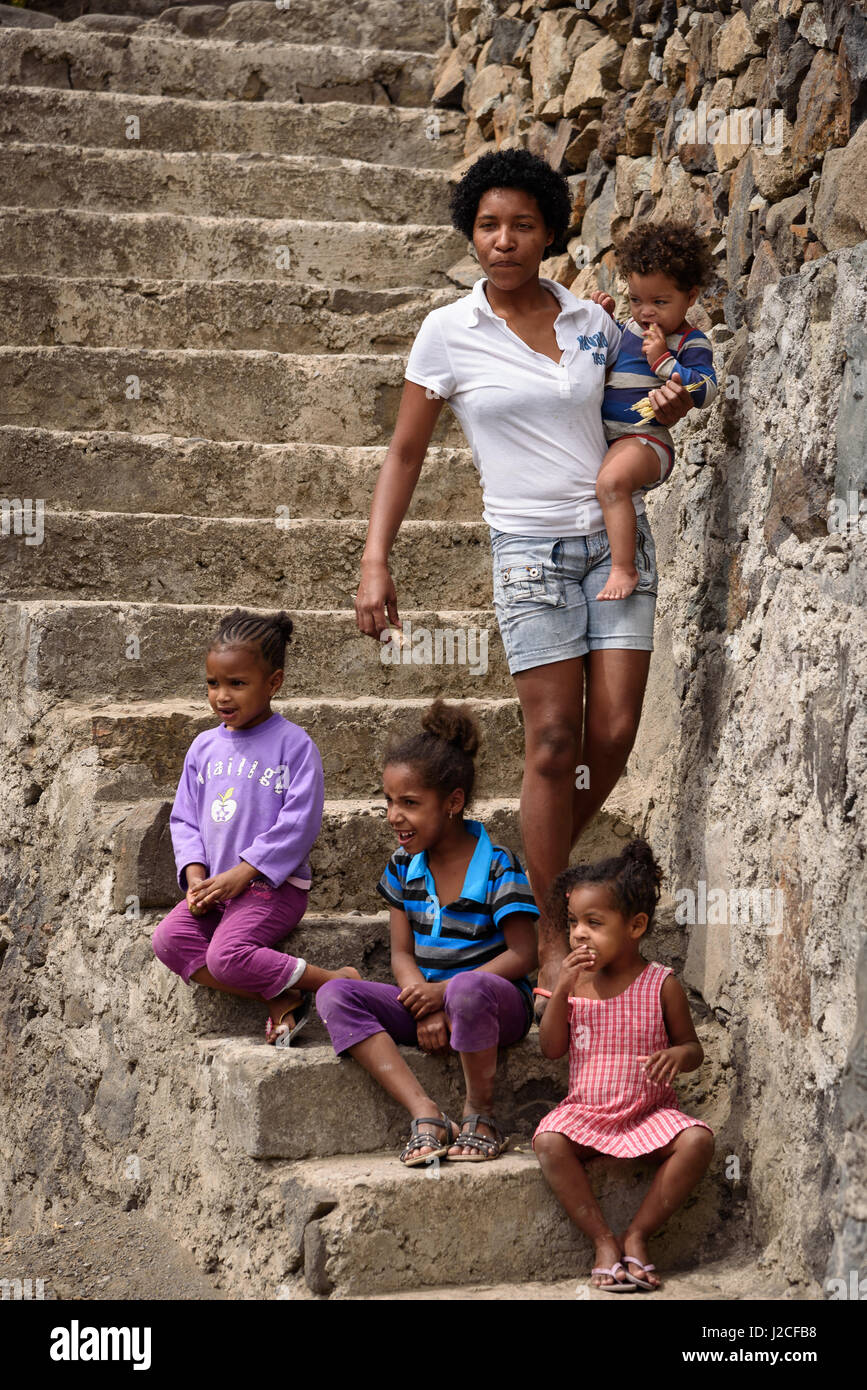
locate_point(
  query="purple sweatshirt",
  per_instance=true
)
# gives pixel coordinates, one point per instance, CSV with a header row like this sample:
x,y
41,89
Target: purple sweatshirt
x,y
254,794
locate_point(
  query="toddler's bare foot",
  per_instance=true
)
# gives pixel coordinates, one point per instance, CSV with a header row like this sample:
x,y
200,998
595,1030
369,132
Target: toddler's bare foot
x,y
606,1256
346,972
620,582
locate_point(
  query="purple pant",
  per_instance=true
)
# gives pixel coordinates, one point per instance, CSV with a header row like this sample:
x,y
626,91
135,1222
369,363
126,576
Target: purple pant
x,y
234,939
482,1009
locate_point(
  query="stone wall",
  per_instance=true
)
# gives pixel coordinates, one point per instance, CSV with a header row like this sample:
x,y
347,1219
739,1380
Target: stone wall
x,y
750,764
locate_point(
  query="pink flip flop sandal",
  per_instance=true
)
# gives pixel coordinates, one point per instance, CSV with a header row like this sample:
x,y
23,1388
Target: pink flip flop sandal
x,y
640,1283
617,1286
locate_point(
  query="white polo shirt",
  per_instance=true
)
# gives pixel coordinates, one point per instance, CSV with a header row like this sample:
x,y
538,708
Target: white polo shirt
x,y
535,426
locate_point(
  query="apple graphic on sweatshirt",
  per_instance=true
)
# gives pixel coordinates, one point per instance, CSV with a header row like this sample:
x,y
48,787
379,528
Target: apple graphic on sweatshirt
x,y
223,807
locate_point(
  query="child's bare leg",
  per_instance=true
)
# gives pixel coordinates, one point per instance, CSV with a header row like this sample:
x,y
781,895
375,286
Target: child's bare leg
x,y
628,465
684,1162
560,1159
379,1055
479,1071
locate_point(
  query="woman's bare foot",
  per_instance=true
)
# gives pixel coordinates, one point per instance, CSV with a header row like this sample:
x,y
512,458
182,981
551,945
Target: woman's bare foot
x,y
620,582
636,1244
606,1256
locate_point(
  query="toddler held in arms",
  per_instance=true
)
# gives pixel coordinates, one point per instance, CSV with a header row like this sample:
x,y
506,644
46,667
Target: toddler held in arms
x,y
666,264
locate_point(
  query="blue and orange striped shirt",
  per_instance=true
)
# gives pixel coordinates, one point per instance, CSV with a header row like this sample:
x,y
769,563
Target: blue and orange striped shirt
x,y
466,933
690,354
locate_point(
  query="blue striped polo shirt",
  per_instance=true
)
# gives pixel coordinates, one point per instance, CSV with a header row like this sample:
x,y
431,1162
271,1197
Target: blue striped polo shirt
x,y
468,932
632,376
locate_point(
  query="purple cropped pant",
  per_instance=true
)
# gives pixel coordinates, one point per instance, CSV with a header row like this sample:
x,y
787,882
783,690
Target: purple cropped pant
x,y
234,939
481,1008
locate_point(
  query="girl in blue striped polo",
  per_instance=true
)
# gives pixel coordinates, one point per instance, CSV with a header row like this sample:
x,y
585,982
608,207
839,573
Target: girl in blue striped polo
x,y
463,942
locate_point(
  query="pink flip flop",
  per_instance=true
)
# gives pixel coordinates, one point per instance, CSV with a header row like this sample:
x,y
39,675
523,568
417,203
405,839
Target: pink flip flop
x,y
640,1283
617,1286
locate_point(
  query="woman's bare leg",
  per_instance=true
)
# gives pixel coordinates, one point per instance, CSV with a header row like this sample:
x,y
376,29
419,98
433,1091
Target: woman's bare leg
x,y
616,681
552,704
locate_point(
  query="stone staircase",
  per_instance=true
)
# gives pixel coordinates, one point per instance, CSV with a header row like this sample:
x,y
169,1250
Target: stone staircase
x,y
205,333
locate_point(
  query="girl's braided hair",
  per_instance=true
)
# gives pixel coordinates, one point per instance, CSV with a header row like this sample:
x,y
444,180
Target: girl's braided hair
x,y
444,752
632,878
267,633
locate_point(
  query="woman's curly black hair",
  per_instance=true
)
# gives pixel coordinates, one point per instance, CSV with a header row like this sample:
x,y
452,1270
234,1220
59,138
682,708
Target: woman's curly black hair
x,y
670,248
514,169
632,878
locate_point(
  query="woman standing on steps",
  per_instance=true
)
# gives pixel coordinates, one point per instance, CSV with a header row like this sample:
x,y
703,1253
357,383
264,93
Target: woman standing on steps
x,y
522,363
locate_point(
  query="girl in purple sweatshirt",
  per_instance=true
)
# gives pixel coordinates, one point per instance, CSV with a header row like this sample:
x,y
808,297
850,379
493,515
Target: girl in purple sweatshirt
x,y
247,811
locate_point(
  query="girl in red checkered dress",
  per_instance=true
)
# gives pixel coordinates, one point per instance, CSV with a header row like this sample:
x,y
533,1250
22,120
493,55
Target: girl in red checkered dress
x,y
629,1032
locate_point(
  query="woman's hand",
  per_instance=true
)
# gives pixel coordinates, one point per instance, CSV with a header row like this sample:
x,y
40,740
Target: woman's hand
x,y
220,888
653,343
376,600
604,300
671,401
423,998
578,962
433,1033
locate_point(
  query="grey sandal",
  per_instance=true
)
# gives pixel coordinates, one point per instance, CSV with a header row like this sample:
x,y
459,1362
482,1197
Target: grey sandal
x,y
420,1141
479,1143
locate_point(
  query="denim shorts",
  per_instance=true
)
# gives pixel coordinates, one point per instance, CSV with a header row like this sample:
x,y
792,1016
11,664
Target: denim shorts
x,y
545,597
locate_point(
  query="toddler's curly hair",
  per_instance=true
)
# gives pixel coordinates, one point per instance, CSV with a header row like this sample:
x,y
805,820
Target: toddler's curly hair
x,y
674,249
632,879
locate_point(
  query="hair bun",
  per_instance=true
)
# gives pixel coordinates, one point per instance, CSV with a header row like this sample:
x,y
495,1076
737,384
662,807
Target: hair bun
x,y
284,623
638,852
452,723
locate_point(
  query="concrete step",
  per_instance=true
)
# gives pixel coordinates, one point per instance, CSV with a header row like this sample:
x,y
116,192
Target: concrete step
x,y
350,735
93,469
212,70
732,1278
53,310
304,1102
184,559
353,847
317,187
269,397
412,24
394,135
77,650
366,1225
162,246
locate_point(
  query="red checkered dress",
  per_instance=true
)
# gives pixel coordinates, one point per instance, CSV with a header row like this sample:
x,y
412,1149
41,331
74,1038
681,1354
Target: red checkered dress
x,y
612,1106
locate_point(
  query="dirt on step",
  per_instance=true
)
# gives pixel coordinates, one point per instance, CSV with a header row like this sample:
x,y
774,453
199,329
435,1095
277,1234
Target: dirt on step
x,y
99,1252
